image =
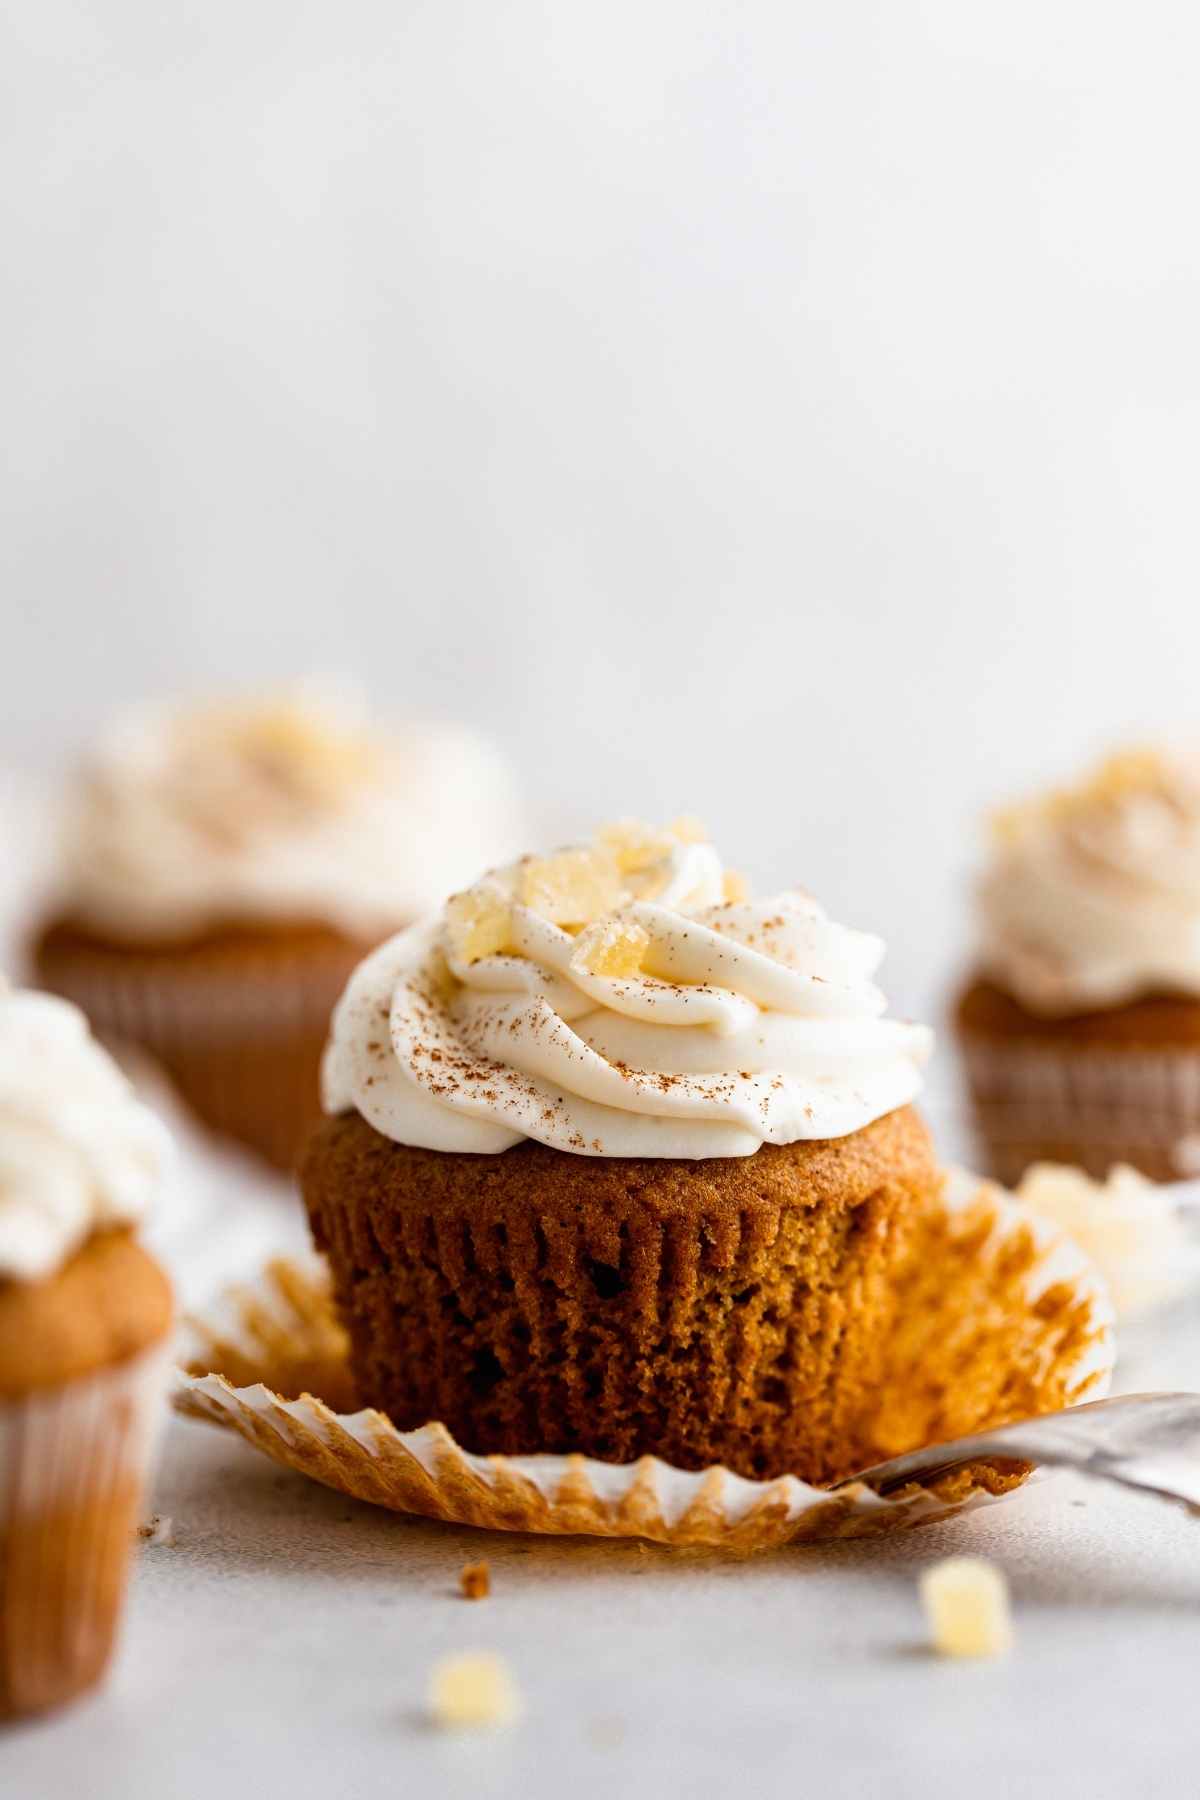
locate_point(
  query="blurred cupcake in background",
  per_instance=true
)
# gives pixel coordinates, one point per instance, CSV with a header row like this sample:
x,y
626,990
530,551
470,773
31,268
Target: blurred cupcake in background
x,y
226,866
1080,1026
85,1318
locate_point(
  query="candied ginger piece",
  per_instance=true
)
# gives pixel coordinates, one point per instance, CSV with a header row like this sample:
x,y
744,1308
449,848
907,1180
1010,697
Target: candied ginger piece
x,y
615,947
634,845
293,738
475,1688
966,1604
1123,776
1139,770
286,730
572,887
478,923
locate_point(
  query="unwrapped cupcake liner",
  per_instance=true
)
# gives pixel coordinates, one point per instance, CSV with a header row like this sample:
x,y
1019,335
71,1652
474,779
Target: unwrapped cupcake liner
x,y
1076,1103
242,1043
73,1466
994,1293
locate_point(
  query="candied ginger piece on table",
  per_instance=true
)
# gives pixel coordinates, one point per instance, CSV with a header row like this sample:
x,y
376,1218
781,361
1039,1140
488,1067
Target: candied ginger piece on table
x,y
472,1689
966,1605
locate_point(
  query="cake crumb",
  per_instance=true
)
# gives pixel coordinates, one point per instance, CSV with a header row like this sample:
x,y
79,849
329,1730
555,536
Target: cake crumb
x,y
474,1688
966,1604
159,1529
475,1581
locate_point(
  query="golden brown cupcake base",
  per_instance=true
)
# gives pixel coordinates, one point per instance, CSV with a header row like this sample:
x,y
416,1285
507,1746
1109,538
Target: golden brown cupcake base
x,y
997,1317
729,1311
1093,1089
108,1302
237,1017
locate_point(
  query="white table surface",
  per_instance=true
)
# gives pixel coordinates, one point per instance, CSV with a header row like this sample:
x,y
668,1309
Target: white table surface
x,y
280,1647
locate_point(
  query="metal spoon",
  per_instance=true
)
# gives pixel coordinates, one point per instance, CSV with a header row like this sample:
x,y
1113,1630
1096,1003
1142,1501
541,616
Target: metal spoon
x,y
1145,1441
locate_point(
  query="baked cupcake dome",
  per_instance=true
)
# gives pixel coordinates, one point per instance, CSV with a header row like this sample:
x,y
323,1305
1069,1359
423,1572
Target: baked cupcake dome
x,y
1080,1027
228,866
621,1166
85,1317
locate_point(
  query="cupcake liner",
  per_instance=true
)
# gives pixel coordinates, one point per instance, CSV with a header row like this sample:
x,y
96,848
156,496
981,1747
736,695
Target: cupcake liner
x,y
738,1315
73,1464
1003,1299
240,1033
1072,1103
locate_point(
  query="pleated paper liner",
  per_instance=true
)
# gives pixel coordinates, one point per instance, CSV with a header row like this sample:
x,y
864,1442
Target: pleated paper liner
x,y
1085,1105
73,1463
999,1316
239,1028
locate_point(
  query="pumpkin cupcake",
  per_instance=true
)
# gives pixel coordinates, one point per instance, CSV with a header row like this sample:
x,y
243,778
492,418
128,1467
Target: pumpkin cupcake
x,y
1080,1024
621,1161
85,1316
226,868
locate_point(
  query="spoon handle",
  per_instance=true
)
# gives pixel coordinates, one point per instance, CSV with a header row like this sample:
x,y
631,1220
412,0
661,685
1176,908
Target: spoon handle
x,y
1150,1442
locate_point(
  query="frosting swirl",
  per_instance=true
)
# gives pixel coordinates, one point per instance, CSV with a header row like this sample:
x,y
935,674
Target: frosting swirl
x,y
78,1151
623,999
283,807
1092,896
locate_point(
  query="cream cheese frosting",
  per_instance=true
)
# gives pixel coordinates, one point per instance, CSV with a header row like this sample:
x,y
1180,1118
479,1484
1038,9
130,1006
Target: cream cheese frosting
x,y
1092,895
283,807
78,1151
625,998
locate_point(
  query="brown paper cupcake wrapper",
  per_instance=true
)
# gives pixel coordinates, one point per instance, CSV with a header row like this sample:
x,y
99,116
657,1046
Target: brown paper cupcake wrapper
x,y
241,1041
1001,1298
1083,1105
73,1464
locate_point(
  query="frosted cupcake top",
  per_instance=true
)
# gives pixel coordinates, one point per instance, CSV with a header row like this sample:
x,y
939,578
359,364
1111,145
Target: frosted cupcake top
x,y
626,998
278,808
1092,894
78,1151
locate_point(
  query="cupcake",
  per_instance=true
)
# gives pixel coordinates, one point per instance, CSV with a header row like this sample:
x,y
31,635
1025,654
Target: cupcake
x,y
226,868
85,1316
621,1161
1080,1025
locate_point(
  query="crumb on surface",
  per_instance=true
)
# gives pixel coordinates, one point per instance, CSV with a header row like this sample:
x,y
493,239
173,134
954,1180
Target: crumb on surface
x,y
475,1581
966,1604
158,1529
473,1688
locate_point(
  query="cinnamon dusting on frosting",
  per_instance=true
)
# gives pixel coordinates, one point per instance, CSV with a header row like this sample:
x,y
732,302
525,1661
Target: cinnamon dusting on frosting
x,y
610,999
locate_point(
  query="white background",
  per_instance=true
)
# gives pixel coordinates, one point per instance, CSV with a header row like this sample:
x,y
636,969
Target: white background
x,y
783,412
